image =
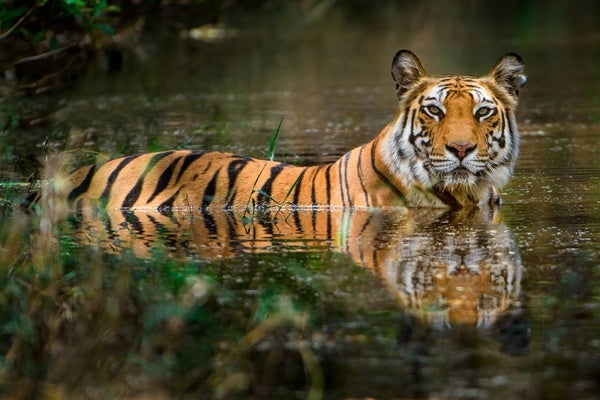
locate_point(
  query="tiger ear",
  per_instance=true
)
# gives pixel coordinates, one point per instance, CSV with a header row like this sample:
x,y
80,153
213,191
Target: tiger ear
x,y
406,71
508,73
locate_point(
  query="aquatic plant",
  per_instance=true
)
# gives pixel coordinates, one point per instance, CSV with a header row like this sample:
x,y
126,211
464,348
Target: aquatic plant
x,y
253,211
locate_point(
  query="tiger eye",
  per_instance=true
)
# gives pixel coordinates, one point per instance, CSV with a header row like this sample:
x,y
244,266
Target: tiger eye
x,y
483,112
434,111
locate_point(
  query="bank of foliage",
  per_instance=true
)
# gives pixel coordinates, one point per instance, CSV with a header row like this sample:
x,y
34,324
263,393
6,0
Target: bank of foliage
x,y
46,19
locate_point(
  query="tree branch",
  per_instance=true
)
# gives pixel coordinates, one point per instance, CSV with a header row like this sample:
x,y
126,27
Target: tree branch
x,y
19,22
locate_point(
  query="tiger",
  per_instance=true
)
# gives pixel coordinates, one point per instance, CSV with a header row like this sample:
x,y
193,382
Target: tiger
x,y
453,143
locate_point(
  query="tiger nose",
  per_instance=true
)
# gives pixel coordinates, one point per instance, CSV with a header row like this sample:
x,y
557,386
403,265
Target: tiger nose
x,y
460,149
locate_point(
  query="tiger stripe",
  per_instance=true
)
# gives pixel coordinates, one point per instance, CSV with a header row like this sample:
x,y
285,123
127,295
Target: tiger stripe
x,y
233,171
188,160
210,191
360,176
164,179
83,186
134,193
113,177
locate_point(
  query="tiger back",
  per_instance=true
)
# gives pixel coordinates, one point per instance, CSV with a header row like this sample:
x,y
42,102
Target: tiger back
x,y
452,143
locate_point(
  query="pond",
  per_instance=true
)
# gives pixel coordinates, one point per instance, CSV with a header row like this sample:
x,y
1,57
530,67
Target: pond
x,y
315,304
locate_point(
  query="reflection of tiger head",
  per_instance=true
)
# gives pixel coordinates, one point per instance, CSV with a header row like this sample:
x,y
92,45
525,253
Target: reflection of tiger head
x,y
458,273
456,134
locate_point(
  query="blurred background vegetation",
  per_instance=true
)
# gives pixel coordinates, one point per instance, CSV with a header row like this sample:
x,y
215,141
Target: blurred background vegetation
x,y
43,28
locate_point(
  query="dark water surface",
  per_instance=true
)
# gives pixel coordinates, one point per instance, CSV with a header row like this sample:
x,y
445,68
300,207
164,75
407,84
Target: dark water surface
x,y
434,305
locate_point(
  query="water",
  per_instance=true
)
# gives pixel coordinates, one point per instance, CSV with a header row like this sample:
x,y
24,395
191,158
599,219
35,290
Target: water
x,y
458,305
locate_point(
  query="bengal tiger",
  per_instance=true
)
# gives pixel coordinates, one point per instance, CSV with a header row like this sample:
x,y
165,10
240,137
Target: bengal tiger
x,y
452,143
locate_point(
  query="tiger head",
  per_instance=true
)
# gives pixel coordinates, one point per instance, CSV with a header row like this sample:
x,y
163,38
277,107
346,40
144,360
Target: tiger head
x,y
455,136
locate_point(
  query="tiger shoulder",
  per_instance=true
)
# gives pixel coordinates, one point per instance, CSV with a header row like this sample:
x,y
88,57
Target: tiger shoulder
x,y
452,143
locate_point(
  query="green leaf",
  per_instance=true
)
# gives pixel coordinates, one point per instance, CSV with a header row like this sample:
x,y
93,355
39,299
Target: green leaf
x,y
99,8
53,43
273,141
75,3
8,17
33,37
104,29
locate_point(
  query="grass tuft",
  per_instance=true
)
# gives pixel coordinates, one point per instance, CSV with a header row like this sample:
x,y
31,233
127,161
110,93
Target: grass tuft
x,y
273,141
250,211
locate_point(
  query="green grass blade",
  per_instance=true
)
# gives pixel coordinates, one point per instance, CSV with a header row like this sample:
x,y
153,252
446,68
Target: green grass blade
x,y
273,141
287,195
249,211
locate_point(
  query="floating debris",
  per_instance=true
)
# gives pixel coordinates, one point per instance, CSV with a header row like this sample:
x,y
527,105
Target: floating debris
x,y
208,33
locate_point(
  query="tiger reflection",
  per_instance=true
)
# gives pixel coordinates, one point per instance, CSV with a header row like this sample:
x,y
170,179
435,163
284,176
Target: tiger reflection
x,y
457,271
459,267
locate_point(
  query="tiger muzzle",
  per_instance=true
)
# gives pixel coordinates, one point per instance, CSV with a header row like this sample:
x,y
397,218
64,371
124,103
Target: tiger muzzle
x,y
461,149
